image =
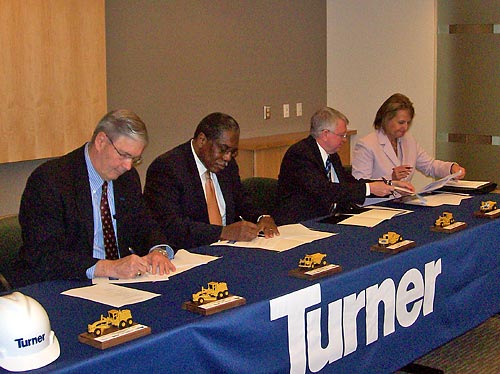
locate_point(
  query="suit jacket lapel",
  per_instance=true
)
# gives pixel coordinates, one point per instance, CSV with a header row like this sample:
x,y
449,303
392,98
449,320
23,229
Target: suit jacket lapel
x,y
337,165
82,195
318,161
386,146
193,179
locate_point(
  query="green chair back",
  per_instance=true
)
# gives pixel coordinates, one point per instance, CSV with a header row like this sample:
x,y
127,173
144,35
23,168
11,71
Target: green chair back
x,y
262,192
10,242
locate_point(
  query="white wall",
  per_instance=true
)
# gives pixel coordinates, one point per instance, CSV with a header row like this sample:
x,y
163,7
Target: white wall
x,y
376,48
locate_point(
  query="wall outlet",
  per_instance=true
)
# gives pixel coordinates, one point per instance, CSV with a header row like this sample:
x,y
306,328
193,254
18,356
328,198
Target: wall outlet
x,y
298,109
267,111
286,110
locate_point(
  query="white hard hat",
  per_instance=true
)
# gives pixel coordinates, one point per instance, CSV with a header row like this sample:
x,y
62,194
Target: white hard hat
x,y
26,340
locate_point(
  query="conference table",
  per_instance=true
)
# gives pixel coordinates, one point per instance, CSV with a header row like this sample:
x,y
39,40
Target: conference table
x,y
380,313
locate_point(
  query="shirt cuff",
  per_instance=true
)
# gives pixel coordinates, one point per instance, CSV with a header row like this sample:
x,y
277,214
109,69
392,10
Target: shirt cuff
x,y
166,247
368,191
90,272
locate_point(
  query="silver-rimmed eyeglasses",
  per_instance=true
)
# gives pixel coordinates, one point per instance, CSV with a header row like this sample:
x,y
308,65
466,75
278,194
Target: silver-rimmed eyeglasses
x,y
136,160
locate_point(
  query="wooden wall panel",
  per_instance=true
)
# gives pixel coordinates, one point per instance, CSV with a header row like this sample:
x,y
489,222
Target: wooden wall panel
x,y
261,156
52,76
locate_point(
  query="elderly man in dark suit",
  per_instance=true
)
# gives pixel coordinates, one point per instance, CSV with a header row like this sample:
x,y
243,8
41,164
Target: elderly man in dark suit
x,y
312,182
195,192
82,215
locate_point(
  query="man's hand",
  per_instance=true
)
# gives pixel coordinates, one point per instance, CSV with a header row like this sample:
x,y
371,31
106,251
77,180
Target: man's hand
x,y
159,263
268,227
406,185
126,267
381,189
240,231
133,266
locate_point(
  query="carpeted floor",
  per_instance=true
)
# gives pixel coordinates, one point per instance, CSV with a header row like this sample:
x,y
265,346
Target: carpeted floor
x,y
475,352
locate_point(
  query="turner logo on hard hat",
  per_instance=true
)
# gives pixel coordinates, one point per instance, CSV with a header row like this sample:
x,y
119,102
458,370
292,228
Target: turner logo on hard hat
x,y
27,341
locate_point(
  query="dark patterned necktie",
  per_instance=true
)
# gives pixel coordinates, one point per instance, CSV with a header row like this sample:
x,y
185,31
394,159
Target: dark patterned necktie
x,y
107,226
328,168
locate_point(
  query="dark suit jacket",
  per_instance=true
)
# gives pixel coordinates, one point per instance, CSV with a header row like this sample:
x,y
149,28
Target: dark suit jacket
x,y
57,221
174,193
304,191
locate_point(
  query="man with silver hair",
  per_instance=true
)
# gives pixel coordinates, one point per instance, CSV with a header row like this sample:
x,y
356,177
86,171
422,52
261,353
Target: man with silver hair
x,y
82,215
312,181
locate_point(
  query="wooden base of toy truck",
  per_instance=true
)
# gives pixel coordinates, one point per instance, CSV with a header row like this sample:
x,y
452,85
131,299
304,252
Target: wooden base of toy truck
x,y
114,336
493,214
394,248
450,229
311,274
216,306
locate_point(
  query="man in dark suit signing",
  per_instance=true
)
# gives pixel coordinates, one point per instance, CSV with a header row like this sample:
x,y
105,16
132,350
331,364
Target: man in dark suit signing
x,y
195,192
312,182
83,216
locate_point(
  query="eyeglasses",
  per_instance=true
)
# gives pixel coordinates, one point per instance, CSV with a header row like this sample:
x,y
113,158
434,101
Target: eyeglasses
x,y
224,149
125,156
343,136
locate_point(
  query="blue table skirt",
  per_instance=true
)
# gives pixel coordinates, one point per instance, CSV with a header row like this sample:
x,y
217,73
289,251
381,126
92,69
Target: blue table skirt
x,y
324,324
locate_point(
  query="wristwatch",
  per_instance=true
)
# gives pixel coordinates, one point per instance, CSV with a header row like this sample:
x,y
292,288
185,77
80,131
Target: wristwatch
x,y
262,216
162,251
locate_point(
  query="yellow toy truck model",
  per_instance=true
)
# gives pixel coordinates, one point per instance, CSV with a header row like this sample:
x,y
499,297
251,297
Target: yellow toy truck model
x,y
118,318
214,291
389,238
313,260
445,219
488,206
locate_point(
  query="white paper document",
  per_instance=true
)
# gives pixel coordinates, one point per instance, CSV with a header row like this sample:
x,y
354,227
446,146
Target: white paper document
x,y
373,217
439,183
182,261
438,199
291,236
111,294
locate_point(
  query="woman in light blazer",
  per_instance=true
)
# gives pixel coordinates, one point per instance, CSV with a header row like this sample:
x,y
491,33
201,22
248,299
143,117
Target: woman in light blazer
x,y
391,152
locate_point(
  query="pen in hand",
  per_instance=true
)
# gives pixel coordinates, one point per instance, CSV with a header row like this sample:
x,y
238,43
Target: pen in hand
x,y
389,183
260,234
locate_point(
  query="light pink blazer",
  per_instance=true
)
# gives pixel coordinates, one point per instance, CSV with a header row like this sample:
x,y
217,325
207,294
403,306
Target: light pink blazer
x,y
374,158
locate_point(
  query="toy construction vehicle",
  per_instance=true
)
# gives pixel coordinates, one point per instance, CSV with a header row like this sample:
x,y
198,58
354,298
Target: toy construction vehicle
x,y
118,318
445,219
488,206
214,291
389,238
312,261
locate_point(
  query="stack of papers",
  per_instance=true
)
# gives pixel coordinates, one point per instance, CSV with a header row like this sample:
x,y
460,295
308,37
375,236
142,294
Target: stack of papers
x,y
438,199
373,217
466,184
291,236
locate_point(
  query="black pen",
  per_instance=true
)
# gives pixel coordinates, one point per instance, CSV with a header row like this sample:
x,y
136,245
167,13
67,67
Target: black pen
x,y
389,183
